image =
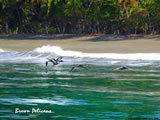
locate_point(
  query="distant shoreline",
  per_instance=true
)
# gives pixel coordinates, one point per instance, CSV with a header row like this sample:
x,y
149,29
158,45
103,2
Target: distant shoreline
x,y
97,43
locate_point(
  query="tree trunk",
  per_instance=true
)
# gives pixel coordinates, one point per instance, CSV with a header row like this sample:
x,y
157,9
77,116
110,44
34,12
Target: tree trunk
x,y
46,26
83,28
98,29
58,28
150,25
93,27
126,9
118,32
104,28
6,28
64,28
80,28
135,30
18,28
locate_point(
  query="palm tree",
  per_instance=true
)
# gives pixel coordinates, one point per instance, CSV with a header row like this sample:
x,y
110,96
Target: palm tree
x,y
126,3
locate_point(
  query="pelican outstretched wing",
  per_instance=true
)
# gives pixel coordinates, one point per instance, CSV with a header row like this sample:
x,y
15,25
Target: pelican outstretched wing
x,y
52,61
59,59
82,66
120,68
85,67
74,67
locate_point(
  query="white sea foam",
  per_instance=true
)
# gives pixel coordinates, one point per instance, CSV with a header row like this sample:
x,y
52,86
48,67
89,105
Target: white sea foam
x,y
126,56
1,50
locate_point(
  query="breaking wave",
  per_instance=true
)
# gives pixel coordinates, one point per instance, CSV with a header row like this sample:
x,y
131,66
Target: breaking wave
x,y
56,50
1,50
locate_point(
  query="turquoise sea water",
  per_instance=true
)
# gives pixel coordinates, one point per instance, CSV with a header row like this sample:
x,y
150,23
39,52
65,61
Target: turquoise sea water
x,y
94,94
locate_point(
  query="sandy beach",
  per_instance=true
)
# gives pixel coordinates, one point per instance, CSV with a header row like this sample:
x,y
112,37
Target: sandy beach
x,y
84,43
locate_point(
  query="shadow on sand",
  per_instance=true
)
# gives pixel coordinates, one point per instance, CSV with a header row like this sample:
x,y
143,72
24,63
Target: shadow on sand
x,y
40,37
89,38
100,38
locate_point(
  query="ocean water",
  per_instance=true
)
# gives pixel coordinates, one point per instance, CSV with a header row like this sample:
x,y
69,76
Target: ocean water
x,y
96,93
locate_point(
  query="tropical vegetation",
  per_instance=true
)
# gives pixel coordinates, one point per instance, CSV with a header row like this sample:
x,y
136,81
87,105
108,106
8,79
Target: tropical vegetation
x,y
80,16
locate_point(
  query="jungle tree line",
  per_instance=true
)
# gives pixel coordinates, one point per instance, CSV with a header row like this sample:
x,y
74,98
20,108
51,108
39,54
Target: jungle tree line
x,y
80,16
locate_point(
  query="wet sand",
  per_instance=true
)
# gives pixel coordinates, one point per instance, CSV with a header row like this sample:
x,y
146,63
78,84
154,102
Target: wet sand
x,y
84,43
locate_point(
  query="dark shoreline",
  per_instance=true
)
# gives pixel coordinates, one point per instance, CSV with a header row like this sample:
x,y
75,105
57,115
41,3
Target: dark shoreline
x,y
71,36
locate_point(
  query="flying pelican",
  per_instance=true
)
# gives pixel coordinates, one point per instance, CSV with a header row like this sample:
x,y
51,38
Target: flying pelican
x,y
76,66
54,61
120,68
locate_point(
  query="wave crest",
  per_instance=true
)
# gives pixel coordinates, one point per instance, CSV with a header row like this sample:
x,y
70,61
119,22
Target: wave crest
x,y
1,50
129,56
58,51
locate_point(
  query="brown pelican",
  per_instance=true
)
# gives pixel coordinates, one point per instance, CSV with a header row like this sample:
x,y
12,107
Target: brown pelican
x,y
54,61
76,66
120,68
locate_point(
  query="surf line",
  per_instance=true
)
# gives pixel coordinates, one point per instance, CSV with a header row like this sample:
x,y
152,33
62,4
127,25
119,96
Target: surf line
x,y
33,110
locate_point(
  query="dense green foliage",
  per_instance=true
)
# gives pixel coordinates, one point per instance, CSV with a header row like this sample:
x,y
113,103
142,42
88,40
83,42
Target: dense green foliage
x,y
80,16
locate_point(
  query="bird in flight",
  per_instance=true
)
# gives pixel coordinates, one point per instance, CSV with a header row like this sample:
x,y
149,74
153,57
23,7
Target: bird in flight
x,y
80,65
120,68
54,61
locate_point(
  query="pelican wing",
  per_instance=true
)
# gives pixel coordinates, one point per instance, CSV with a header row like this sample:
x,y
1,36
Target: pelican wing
x,y
116,69
85,67
74,67
52,61
59,59
120,68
